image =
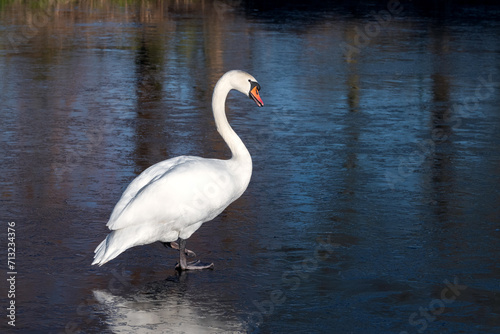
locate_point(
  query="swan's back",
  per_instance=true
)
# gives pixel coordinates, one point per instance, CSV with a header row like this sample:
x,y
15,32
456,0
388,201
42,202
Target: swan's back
x,y
139,183
181,191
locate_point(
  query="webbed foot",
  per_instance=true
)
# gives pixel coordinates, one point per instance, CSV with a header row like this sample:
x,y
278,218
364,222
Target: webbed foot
x,y
184,265
195,265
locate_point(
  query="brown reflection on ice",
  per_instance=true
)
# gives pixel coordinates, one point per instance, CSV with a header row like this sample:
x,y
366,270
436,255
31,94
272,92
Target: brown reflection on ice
x,y
442,179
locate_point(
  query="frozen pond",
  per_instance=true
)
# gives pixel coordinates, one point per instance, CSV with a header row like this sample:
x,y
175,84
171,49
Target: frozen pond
x,y
374,204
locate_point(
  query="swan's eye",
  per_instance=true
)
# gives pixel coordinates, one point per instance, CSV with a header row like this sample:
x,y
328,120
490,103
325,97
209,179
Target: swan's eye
x,y
254,84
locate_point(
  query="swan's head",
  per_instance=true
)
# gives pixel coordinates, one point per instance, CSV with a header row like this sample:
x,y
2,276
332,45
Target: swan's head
x,y
246,84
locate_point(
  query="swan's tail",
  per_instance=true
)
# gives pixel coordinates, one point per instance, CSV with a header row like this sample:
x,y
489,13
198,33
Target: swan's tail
x,y
105,252
118,241
115,243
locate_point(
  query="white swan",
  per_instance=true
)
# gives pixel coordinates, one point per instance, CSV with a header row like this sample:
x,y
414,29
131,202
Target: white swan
x,y
171,199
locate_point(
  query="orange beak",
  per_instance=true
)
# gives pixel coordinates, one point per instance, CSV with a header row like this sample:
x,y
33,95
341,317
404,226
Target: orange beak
x,y
254,94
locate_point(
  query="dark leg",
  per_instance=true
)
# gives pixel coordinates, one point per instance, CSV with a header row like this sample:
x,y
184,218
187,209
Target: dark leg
x,y
184,265
175,245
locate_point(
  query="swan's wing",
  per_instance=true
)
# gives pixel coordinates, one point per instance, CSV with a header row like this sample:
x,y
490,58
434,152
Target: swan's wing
x,y
191,191
145,178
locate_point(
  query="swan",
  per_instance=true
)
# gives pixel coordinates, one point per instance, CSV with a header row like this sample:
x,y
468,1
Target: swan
x,y
170,200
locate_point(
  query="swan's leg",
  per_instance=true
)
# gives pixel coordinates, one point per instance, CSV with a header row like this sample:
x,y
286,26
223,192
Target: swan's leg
x,y
175,245
184,265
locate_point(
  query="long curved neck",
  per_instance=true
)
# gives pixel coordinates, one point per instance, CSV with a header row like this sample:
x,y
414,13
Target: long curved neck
x,y
239,151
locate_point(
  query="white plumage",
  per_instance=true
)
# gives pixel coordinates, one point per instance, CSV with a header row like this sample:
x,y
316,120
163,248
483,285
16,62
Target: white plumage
x,y
173,198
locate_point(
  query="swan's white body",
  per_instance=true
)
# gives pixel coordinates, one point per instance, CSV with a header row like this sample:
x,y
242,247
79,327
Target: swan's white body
x,y
173,198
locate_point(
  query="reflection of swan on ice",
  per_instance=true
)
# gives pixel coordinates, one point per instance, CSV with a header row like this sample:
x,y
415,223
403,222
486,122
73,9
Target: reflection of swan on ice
x,y
173,314
164,202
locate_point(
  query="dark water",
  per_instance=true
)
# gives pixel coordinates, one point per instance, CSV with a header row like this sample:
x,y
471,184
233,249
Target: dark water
x,y
374,203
